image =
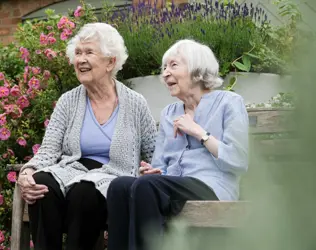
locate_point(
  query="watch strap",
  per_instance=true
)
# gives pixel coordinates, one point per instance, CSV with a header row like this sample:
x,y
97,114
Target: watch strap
x,y
204,140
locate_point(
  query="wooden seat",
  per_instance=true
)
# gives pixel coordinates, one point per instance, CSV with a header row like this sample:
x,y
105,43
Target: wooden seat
x,y
217,214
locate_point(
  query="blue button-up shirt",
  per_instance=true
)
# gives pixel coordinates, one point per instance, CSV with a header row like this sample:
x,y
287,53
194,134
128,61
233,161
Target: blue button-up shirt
x,y
224,116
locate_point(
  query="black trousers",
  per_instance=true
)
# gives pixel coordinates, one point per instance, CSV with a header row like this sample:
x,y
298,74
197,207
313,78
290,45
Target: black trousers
x,y
137,205
82,214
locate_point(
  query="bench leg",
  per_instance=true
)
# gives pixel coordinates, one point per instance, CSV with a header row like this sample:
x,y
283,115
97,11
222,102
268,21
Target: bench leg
x,y
17,213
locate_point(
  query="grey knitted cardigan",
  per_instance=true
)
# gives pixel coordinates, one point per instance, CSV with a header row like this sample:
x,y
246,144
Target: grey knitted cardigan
x,y
133,138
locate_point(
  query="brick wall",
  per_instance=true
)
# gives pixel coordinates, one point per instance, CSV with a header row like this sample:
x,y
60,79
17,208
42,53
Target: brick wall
x,y
11,12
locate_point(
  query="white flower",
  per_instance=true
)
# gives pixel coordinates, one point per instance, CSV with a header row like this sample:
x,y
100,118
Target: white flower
x,y
286,104
267,105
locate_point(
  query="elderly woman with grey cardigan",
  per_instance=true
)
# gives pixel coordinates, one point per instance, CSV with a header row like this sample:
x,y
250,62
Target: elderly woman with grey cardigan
x,y
97,132
201,151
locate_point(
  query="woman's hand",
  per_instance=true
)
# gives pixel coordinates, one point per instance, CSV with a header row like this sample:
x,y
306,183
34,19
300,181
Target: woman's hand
x,y
30,191
146,168
186,124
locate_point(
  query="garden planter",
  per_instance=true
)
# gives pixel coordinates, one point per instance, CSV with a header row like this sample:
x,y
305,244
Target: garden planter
x,y
259,87
154,91
253,87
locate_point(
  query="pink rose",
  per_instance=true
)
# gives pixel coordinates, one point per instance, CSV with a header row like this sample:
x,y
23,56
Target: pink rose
x,y
3,119
4,91
43,39
51,40
1,199
11,176
34,83
35,148
1,76
17,113
27,158
46,122
46,74
31,93
78,12
23,102
64,22
9,108
15,90
36,70
2,238
10,151
26,73
4,134
50,54
25,54
65,34
21,141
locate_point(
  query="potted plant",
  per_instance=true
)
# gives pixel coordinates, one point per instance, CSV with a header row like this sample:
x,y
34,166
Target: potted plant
x,y
148,32
265,69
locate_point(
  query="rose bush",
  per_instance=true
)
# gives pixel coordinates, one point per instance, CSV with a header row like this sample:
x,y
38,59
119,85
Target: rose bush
x,y
34,73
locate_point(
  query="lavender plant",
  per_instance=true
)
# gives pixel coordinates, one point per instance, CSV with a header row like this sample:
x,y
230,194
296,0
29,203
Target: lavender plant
x,y
228,29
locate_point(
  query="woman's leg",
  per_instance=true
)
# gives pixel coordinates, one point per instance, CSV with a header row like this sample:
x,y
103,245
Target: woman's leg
x,y
153,197
118,208
86,216
47,215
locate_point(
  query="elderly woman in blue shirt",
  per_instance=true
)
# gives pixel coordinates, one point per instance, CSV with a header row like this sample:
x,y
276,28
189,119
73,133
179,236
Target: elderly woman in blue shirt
x,y
201,150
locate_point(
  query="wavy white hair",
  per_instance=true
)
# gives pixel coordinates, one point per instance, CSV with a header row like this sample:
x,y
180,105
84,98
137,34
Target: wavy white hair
x,y
202,63
111,43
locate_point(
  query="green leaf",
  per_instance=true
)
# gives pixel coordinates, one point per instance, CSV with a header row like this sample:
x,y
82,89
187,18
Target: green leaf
x,y
252,55
240,66
55,17
246,62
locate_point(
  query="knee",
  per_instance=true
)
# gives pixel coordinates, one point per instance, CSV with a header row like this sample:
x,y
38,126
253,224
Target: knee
x,y
143,183
81,191
120,186
43,178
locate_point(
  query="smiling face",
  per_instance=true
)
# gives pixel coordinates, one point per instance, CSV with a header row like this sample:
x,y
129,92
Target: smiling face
x,y
90,64
177,77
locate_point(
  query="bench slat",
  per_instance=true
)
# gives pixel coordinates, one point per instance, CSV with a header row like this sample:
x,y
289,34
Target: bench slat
x,y
14,167
219,214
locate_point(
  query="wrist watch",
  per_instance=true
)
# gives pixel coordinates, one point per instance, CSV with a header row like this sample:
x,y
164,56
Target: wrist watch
x,y
205,138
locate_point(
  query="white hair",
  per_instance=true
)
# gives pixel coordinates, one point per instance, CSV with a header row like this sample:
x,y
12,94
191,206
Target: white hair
x,y
202,64
111,43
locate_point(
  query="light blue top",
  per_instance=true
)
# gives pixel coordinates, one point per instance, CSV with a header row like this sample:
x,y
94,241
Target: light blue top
x,y
221,113
95,139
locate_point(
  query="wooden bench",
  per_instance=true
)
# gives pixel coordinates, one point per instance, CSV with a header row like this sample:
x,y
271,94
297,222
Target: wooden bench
x,y
217,214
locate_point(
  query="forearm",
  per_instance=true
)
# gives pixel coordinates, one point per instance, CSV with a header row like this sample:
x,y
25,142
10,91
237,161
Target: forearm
x,y
211,144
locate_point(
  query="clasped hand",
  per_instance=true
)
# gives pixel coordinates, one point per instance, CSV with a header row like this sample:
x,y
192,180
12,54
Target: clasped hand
x,y
186,124
146,168
30,191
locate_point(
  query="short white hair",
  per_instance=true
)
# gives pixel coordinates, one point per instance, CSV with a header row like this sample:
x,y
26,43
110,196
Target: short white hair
x,y
111,43
202,63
